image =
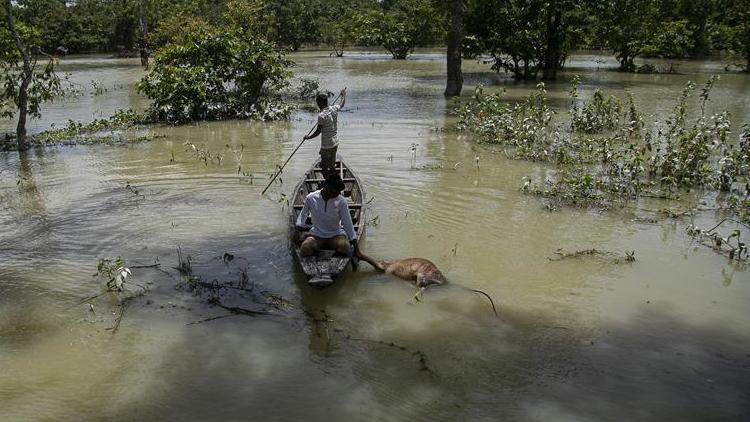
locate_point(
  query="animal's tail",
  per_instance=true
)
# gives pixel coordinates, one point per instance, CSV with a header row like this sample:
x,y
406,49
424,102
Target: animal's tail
x,y
488,297
369,260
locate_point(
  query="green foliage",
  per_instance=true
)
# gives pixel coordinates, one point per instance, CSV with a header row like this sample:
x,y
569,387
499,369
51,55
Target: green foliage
x,y
93,132
512,32
338,34
625,26
525,36
526,125
406,25
292,22
24,89
601,113
336,24
672,40
606,158
731,32
216,75
175,30
114,271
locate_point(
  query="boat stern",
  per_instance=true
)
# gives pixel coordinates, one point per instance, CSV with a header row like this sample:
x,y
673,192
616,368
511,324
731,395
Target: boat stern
x,y
320,280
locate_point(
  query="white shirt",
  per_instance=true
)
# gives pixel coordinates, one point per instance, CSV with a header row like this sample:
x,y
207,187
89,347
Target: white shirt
x,y
327,216
328,124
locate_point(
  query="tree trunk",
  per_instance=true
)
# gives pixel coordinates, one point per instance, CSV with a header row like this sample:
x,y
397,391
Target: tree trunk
x,y
453,56
552,55
525,68
23,110
28,72
142,19
626,62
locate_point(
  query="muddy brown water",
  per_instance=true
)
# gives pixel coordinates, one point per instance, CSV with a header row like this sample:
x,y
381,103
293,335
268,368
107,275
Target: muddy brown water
x,y
665,337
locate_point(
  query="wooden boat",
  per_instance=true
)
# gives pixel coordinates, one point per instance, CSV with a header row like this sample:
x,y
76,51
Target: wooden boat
x,y
323,268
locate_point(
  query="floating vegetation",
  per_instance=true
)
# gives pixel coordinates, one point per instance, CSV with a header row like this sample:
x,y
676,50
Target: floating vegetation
x,y
430,167
560,255
133,189
238,155
98,88
115,272
606,157
731,245
99,131
373,221
203,154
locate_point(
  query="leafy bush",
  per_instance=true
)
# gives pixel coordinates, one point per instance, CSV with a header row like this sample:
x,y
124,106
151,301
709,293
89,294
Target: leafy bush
x,y
410,23
605,157
214,76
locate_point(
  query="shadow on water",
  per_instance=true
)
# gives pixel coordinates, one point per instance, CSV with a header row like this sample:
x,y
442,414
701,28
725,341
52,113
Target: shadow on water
x,y
654,367
359,349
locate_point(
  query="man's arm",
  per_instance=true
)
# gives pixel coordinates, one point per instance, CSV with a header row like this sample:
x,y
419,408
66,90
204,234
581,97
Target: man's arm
x,y
346,222
343,98
314,134
300,223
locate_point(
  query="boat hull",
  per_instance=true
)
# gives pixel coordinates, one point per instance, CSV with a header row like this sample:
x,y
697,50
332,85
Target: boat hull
x,y
324,268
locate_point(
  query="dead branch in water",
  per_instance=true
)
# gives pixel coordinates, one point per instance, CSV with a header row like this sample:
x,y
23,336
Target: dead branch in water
x,y
417,353
240,311
201,321
145,266
629,256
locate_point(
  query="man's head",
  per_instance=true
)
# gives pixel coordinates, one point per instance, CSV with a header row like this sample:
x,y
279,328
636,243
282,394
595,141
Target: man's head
x,y
333,185
322,100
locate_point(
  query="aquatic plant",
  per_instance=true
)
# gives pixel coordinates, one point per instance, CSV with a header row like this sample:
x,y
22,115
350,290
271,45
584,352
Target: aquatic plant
x,y
606,158
115,272
99,131
731,245
614,257
202,153
98,88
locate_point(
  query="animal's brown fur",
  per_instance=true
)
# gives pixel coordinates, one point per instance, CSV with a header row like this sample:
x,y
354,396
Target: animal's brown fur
x,y
422,273
419,271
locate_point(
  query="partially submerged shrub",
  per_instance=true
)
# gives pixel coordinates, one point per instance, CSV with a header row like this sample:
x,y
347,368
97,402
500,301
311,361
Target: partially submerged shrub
x,y
214,76
98,131
606,157
601,113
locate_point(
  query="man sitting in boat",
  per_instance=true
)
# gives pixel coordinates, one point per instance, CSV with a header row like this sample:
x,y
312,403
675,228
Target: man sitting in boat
x,y
331,222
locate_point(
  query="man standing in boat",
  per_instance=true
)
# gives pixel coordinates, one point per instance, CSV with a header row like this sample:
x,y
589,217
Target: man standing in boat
x,y
328,129
332,226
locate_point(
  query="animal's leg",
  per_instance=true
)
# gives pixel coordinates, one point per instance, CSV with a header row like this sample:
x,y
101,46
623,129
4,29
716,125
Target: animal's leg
x,y
419,294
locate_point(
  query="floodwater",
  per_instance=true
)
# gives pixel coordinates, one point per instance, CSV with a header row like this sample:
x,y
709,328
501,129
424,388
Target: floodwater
x,y
666,337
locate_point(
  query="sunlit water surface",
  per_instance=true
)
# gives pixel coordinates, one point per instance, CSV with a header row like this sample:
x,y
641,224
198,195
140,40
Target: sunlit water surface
x,y
664,337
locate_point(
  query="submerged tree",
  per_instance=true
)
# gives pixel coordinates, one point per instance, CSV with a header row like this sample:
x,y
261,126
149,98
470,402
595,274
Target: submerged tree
x,y
732,31
214,75
23,85
406,25
337,24
525,37
626,27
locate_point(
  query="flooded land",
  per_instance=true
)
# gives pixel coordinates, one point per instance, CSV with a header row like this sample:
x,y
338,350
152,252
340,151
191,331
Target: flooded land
x,y
593,337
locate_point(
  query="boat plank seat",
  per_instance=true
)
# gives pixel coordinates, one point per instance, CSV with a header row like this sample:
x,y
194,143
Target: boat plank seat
x,y
351,206
346,179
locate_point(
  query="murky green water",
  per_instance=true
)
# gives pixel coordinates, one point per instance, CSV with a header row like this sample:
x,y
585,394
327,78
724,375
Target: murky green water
x,y
665,337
